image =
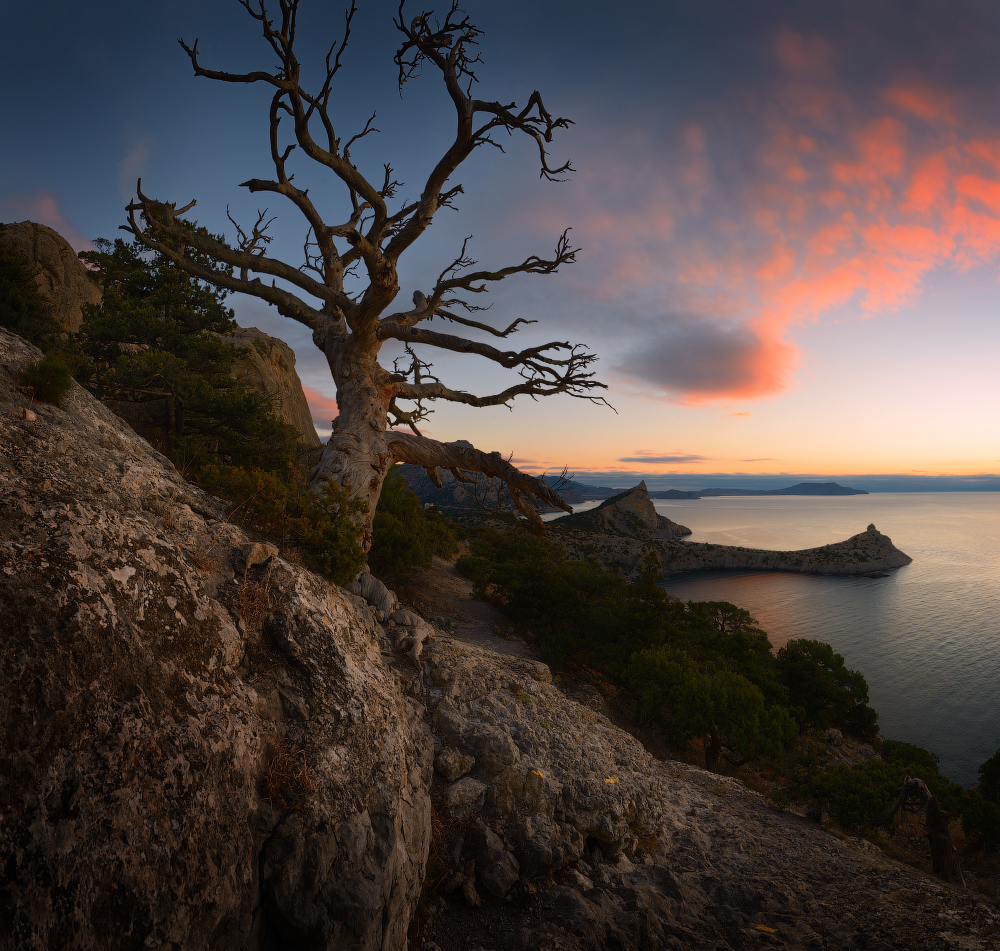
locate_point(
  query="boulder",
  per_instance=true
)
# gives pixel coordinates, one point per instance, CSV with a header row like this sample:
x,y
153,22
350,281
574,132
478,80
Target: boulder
x,y
268,364
465,798
63,279
200,746
452,764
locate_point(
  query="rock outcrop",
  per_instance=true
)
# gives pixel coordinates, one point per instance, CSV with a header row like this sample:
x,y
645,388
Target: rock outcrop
x,y
630,513
200,744
558,830
63,280
268,365
621,532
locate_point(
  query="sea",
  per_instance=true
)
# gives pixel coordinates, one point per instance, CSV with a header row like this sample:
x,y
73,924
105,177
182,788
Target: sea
x,y
926,638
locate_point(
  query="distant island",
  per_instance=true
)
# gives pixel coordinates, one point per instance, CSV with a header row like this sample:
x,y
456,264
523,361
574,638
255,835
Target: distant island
x,y
802,488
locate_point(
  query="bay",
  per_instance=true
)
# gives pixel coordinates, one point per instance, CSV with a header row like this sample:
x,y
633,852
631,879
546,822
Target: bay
x,y
926,638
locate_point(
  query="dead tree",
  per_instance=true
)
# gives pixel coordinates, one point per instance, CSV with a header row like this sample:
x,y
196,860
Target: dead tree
x,y
914,796
367,240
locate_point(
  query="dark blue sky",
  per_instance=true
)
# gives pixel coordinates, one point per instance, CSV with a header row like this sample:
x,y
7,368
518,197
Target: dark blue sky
x,y
788,211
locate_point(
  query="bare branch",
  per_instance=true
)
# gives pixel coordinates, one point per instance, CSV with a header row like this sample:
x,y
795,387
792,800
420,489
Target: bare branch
x,y
526,491
445,45
162,219
480,326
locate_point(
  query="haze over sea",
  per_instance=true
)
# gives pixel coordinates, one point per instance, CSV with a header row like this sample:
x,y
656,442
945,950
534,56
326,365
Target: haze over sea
x,y
926,638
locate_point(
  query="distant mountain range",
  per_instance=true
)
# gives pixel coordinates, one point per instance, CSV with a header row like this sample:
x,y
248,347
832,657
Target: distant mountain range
x,y
454,496
802,488
581,492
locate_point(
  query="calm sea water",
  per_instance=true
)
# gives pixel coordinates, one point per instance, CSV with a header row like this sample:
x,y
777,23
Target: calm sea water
x,y
926,638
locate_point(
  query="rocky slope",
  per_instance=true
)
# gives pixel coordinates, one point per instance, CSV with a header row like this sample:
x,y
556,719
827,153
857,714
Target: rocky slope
x,y
268,364
204,746
621,532
168,689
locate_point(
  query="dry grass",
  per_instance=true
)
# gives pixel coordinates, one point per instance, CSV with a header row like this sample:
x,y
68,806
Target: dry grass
x,y
287,781
258,598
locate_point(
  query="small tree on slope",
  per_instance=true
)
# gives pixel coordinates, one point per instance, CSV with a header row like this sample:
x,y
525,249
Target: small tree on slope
x,y
351,328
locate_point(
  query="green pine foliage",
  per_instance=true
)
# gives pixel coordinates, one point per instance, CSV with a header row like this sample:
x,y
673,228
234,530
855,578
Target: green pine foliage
x,y
702,670
154,344
857,796
405,535
47,380
280,506
706,670
22,309
821,686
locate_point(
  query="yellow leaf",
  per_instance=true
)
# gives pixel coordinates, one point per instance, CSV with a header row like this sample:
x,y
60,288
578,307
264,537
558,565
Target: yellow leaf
x,y
612,779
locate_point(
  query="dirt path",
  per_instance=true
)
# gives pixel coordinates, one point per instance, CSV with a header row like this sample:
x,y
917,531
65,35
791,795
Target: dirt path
x,y
445,598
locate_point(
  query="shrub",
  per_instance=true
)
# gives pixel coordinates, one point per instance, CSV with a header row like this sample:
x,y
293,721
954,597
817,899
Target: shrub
x,y
22,310
281,506
822,687
48,379
405,536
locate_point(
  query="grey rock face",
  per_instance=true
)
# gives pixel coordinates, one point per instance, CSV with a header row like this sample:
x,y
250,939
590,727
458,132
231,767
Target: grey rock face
x,y
559,775
465,798
600,846
198,748
269,365
63,279
452,764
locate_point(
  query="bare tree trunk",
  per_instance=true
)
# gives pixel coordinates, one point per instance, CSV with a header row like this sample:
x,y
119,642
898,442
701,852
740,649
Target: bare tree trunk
x,y
713,750
943,859
357,456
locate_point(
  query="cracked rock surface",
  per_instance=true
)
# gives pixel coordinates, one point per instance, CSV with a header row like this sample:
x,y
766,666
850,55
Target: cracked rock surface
x,y
200,746
585,842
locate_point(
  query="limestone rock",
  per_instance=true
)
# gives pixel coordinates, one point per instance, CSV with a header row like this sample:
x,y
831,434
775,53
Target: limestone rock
x,y
412,632
452,764
496,869
621,533
190,757
269,365
465,797
367,586
559,774
63,279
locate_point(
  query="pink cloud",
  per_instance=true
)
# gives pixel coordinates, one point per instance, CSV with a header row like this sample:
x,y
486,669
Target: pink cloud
x,y
833,201
43,208
322,408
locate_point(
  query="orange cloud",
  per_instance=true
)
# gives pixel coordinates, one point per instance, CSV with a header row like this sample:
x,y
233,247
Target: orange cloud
x,y
833,201
922,101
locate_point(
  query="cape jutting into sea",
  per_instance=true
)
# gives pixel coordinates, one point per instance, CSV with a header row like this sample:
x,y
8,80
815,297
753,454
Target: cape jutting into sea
x,y
926,638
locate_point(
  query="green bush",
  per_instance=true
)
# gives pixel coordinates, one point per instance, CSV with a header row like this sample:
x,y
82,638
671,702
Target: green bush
x,y
857,796
989,779
48,380
404,535
155,343
821,686
281,506
22,310
981,819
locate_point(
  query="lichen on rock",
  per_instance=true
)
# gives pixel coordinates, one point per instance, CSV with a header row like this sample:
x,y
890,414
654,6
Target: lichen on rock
x,y
153,663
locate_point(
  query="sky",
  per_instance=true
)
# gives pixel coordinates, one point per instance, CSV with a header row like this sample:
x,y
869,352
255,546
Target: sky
x,y
788,213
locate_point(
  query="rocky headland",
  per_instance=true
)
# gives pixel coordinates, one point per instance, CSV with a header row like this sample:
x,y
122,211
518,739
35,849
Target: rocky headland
x,y
621,532
205,746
